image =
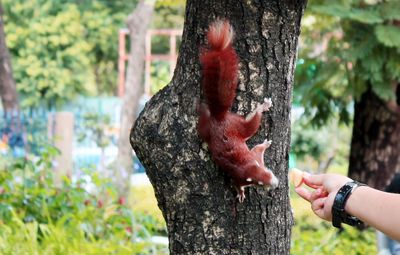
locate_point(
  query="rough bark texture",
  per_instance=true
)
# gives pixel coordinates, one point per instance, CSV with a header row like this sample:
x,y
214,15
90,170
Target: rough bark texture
x,y
375,146
8,90
197,199
138,23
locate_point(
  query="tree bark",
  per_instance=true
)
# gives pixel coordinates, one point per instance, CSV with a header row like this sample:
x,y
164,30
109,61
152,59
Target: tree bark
x,y
197,199
8,90
138,23
375,146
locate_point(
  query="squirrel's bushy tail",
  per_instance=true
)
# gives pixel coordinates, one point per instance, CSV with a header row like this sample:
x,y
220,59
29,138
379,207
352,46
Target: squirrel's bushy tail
x,y
219,68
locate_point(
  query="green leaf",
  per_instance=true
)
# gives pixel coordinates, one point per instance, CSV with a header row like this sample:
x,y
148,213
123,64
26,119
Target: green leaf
x,y
388,35
359,87
362,42
390,10
393,66
384,91
335,10
374,62
365,15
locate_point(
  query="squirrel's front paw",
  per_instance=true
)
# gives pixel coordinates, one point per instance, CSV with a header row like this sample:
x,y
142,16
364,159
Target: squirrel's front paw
x,y
267,143
267,104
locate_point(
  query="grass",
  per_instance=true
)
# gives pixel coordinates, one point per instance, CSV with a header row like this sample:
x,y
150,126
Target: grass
x,y
18,237
143,200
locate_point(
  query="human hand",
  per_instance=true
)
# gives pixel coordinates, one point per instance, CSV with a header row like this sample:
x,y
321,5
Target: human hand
x,y
325,188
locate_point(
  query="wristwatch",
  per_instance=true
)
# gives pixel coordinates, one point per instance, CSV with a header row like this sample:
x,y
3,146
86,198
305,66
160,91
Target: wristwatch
x,y
339,215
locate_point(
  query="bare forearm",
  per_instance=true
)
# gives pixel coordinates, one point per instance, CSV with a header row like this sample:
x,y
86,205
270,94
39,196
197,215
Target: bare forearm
x,y
376,208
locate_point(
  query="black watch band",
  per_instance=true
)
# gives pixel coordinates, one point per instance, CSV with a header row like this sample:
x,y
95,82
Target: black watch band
x,y
339,215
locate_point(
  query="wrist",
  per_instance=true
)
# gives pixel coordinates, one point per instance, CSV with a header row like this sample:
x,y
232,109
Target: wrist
x,y
339,213
354,200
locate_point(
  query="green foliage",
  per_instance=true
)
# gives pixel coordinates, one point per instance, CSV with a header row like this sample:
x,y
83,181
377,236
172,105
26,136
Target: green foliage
x,y
102,21
347,47
388,35
61,49
38,217
144,201
319,148
390,10
320,91
170,3
364,15
168,15
18,237
304,143
309,237
160,75
49,52
94,127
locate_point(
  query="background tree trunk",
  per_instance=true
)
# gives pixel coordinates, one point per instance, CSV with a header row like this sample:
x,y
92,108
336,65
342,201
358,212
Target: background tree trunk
x,y
197,199
8,90
375,145
138,23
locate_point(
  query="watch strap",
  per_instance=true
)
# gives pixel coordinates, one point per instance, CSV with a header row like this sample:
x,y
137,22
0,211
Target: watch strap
x,y
339,214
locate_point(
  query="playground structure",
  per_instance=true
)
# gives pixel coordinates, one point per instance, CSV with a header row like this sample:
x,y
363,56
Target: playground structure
x,y
123,56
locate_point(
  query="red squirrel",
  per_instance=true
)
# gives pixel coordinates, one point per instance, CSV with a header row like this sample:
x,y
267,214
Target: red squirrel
x,y
225,132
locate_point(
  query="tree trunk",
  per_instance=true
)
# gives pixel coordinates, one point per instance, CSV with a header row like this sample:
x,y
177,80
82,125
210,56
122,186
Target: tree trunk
x,y
375,145
138,23
196,198
8,91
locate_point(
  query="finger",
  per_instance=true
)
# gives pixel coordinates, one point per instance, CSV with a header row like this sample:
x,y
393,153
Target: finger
x,y
313,180
318,208
316,194
304,193
318,204
324,193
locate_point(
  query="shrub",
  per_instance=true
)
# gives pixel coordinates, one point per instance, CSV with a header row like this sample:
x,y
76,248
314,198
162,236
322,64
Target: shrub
x,y
38,217
145,203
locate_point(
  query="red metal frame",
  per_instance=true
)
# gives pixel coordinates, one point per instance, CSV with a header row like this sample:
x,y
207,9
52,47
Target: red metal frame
x,y
123,56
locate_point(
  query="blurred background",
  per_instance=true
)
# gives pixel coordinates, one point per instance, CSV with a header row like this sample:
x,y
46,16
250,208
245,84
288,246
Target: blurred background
x,y
67,92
